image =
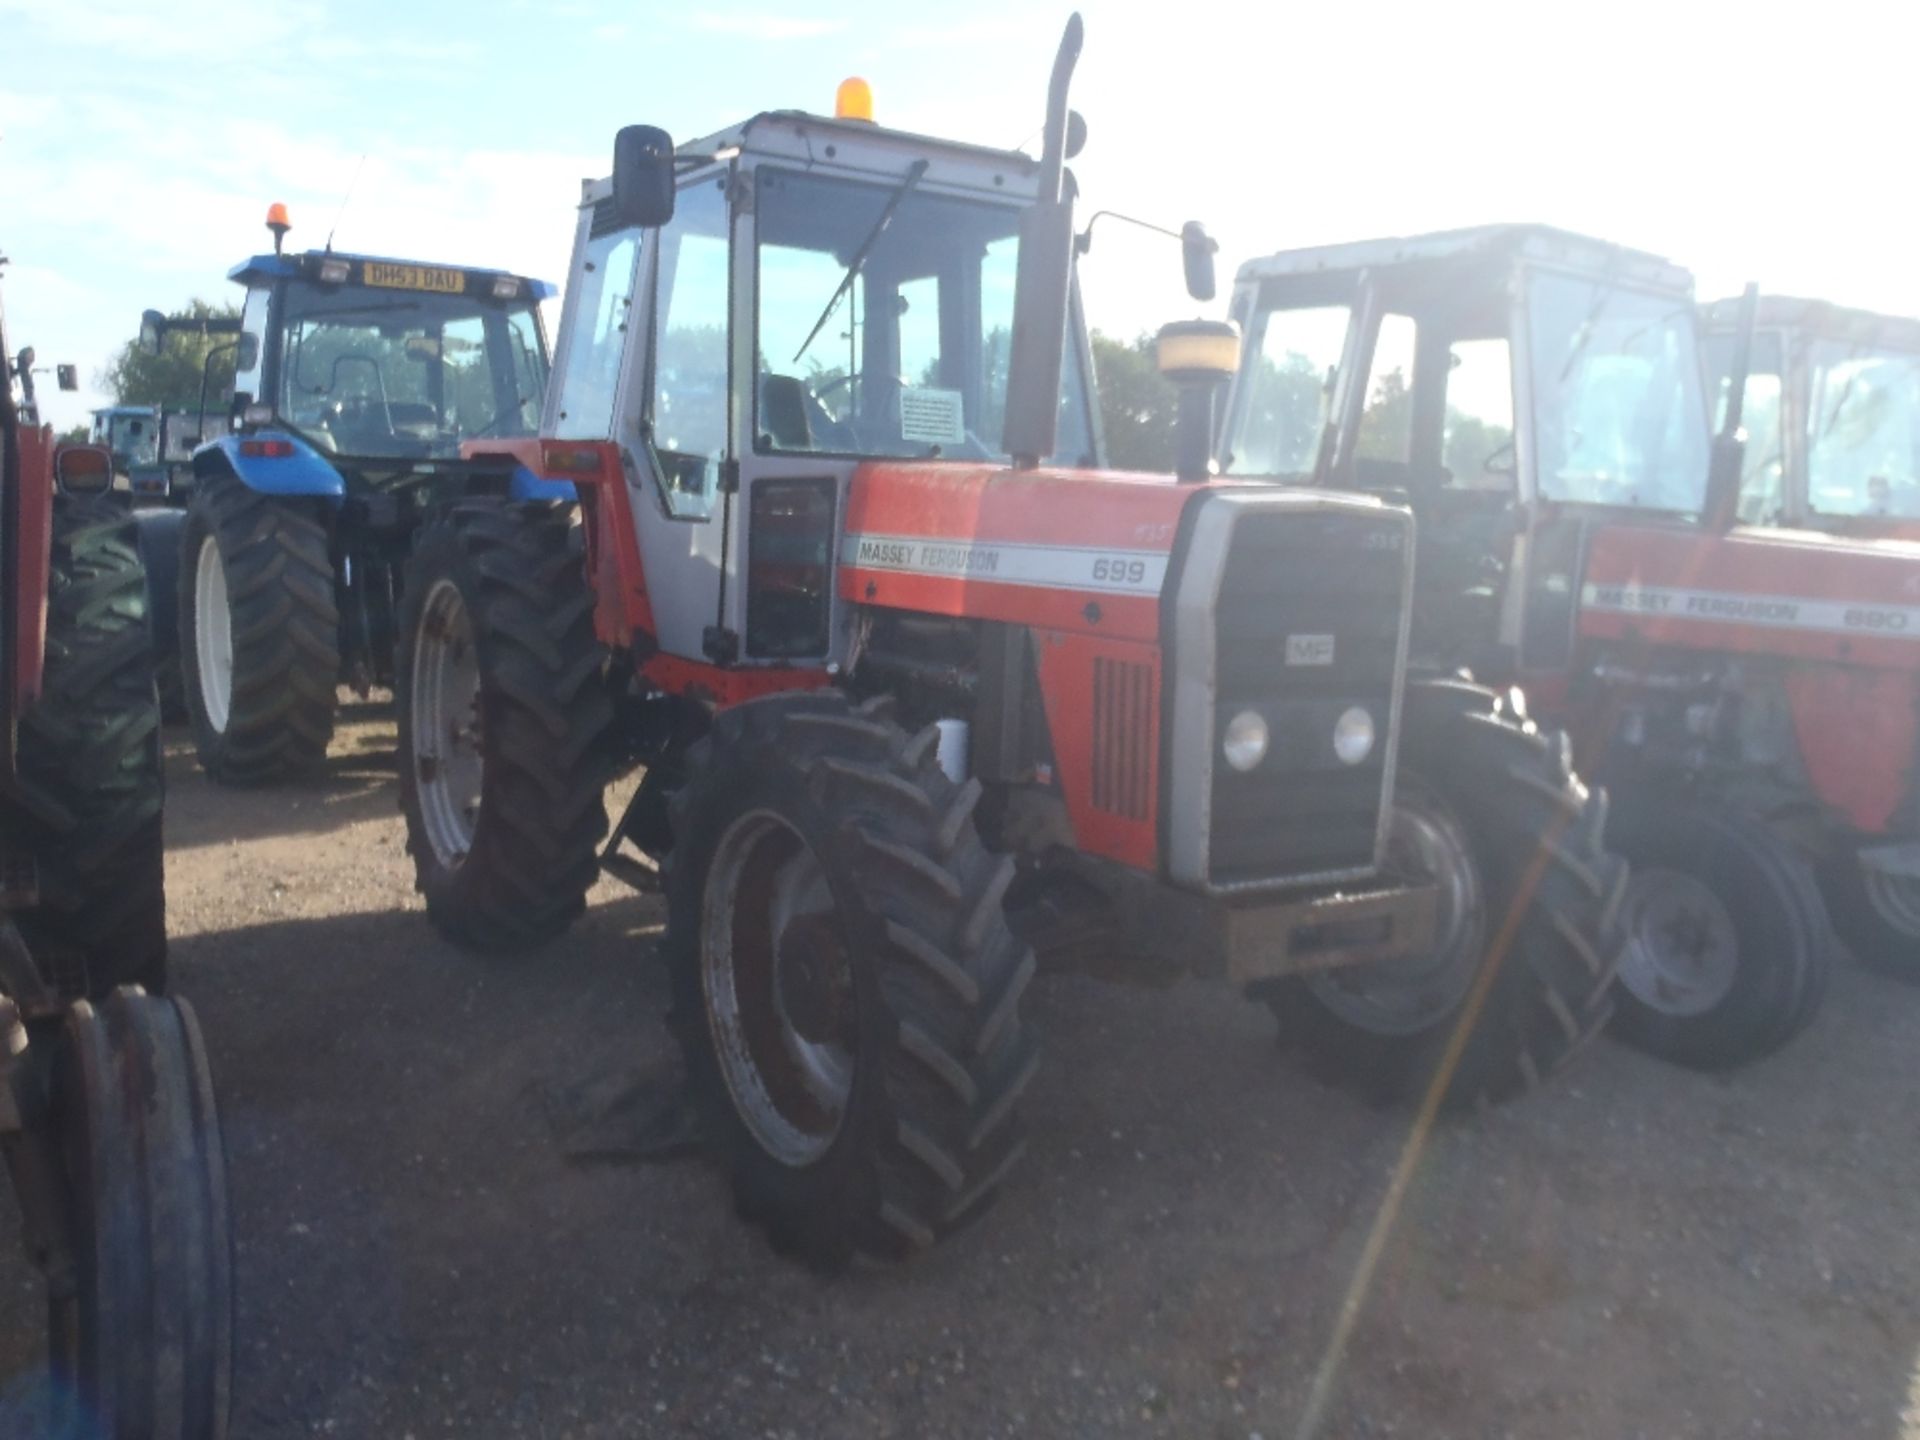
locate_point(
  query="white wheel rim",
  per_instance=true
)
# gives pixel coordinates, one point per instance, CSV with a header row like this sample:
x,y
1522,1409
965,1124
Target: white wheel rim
x,y
1683,950
1895,899
790,1075
1406,996
448,755
213,634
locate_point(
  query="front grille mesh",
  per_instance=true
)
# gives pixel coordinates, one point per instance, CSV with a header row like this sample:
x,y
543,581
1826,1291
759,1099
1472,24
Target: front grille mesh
x,y
1320,580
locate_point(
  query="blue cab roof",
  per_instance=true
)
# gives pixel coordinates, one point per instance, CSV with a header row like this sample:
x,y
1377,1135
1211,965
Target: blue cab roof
x,y
260,269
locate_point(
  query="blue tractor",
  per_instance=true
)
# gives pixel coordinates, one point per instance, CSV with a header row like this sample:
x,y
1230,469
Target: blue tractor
x,y
367,395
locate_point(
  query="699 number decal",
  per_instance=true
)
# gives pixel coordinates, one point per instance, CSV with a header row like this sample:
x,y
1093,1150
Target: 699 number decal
x,y
1119,570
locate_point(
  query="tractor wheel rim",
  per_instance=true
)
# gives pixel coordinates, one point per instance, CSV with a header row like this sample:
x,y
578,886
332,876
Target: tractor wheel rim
x,y
1683,949
1895,899
213,634
449,756
1406,996
778,987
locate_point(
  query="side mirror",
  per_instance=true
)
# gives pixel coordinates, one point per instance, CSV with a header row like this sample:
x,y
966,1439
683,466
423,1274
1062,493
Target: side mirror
x,y
1197,250
643,176
152,325
67,377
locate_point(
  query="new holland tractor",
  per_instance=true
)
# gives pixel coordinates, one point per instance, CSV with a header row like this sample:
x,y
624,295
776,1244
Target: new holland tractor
x,y
1751,697
357,380
107,1117
1832,411
918,690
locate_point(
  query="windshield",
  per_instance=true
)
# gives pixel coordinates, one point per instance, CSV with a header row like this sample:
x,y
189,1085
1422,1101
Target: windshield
x,y
1281,407
134,439
911,360
1863,431
1619,414
407,375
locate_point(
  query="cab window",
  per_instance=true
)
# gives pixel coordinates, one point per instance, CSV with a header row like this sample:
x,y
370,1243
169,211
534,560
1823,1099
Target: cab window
x,y
687,409
590,368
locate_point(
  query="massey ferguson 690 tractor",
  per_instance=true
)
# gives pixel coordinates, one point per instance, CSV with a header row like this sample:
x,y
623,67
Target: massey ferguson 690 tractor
x,y
357,381
1750,697
900,664
1832,409
107,1114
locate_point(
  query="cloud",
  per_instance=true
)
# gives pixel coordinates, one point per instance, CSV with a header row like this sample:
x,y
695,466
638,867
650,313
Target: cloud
x,y
770,27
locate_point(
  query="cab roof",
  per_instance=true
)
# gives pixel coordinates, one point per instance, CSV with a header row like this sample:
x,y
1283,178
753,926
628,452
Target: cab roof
x,y
1819,319
262,269
1479,243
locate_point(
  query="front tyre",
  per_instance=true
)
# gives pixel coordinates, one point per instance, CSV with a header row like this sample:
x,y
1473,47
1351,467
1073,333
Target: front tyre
x,y
846,988
1876,912
1489,812
259,633
503,721
1727,953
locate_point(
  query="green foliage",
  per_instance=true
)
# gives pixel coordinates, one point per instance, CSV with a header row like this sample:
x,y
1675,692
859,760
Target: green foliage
x,y
75,435
172,378
1137,405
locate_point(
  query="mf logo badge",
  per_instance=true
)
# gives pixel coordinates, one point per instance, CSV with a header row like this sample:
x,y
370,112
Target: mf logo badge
x,y
1309,649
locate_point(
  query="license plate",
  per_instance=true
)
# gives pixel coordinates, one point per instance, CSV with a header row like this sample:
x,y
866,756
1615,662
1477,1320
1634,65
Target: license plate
x,y
415,277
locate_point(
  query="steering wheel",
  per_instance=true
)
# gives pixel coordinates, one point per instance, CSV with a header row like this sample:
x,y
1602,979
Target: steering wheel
x,y
835,385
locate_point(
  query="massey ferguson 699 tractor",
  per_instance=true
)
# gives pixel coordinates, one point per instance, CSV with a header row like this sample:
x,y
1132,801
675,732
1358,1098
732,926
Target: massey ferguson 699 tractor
x,y
107,1114
357,381
1832,409
900,664
1750,697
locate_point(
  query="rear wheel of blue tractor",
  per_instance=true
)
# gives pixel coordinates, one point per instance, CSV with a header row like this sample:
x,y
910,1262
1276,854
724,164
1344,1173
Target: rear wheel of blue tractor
x,y
504,715
259,633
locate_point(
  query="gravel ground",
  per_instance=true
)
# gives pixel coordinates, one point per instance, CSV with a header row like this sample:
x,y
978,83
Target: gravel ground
x,y
441,1231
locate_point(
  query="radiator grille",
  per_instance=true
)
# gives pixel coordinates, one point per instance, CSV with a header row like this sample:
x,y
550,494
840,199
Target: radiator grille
x,y
1123,730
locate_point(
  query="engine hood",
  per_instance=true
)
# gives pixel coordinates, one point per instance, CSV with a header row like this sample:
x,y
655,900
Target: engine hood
x,y
1789,593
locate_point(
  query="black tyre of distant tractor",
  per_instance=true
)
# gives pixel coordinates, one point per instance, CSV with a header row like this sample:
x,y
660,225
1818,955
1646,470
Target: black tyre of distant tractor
x,y
259,632
1728,941
140,1331
1878,915
846,987
159,529
1488,809
88,800
504,717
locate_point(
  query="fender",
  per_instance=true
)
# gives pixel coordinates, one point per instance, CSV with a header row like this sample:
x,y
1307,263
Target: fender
x,y
300,470
30,540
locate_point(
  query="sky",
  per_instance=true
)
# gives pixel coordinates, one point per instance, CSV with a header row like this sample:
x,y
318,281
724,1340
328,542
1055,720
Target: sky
x,y
140,143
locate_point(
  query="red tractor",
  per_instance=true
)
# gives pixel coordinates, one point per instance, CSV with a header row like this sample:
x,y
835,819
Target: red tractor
x,y
107,1113
1751,697
919,690
1832,411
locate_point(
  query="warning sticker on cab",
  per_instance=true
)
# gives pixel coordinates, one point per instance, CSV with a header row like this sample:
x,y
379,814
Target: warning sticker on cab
x,y
932,417
414,277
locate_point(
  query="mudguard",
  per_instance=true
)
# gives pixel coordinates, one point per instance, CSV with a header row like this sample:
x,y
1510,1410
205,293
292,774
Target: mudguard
x,y
305,471
158,529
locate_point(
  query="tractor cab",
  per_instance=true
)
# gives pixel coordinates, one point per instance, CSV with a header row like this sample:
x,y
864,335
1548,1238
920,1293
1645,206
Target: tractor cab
x,y
358,373
823,291
130,432
1832,414
1513,382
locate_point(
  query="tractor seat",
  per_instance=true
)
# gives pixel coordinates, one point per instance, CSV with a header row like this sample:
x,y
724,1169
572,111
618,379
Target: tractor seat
x,y
783,412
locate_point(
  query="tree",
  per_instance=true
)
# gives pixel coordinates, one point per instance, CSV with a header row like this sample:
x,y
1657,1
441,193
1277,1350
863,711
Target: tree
x,y
172,378
1137,405
75,435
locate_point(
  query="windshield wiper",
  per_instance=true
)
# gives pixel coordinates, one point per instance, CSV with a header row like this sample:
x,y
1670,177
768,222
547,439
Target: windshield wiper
x,y
914,172
1584,335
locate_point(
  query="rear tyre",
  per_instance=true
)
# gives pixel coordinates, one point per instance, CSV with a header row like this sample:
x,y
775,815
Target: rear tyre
x,y
504,717
1878,915
1727,939
846,988
259,633
140,1331
1489,811
88,799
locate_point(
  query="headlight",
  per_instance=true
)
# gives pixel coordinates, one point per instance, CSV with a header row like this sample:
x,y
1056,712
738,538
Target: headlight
x,y
1245,744
1353,736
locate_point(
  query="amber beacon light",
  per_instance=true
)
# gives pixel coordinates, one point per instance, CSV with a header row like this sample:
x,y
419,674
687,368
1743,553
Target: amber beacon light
x,y
853,100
